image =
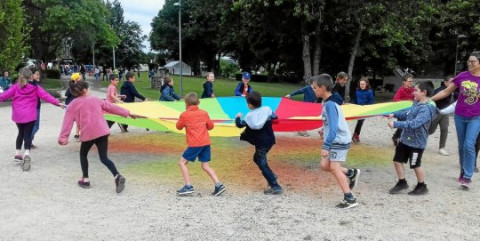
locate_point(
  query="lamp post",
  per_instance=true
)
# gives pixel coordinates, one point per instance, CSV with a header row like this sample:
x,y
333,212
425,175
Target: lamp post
x,y
459,36
179,4
113,58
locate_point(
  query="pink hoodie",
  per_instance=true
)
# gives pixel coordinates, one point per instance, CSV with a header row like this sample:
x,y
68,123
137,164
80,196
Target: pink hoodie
x,y
87,112
24,103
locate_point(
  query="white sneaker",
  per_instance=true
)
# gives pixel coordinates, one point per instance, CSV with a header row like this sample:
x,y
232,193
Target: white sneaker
x,y
443,152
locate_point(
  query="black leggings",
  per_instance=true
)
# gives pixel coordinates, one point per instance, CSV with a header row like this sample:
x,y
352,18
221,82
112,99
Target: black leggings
x,y
102,146
24,135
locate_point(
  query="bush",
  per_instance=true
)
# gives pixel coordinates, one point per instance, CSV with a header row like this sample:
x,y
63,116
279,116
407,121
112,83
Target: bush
x,y
53,73
228,68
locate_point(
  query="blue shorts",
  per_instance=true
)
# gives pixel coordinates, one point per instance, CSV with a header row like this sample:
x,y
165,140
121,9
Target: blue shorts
x,y
202,152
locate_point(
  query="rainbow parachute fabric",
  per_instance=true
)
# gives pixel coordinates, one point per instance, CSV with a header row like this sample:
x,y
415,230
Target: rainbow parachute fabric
x,y
292,115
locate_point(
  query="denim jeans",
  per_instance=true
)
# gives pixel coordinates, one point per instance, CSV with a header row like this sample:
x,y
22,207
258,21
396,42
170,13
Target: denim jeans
x,y
36,126
260,158
467,132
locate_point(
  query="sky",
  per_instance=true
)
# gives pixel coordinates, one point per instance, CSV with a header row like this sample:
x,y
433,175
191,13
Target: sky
x,y
142,12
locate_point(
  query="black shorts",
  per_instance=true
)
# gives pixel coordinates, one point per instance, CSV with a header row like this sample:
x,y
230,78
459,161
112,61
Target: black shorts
x,y
404,154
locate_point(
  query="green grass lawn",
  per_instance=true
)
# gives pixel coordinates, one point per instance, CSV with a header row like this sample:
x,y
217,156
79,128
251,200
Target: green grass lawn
x,y
221,86
50,83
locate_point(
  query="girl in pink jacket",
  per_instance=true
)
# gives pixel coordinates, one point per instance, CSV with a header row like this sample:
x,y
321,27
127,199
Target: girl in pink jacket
x,y
25,97
87,111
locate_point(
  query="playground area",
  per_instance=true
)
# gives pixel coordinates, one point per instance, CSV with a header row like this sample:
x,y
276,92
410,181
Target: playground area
x,y
47,204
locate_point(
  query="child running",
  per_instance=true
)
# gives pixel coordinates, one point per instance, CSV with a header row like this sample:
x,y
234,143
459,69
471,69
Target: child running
x,y
112,96
208,86
414,122
24,112
196,123
259,132
336,141
87,112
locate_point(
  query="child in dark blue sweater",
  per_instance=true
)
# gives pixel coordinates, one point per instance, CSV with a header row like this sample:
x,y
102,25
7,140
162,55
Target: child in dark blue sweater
x,y
259,132
208,86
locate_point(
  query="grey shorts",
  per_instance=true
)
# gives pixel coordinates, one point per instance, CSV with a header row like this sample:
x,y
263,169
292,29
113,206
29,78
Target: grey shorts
x,y
338,155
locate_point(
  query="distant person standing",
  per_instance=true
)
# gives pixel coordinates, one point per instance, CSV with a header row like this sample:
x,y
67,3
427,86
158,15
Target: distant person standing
x,y
405,92
441,119
243,88
208,86
5,81
339,86
364,96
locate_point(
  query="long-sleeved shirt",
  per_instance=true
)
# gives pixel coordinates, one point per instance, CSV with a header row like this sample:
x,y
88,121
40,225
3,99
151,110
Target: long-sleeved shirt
x,y
308,94
130,92
112,94
25,101
5,83
258,123
197,123
336,132
87,112
337,88
207,89
168,94
404,94
415,122
364,97
240,89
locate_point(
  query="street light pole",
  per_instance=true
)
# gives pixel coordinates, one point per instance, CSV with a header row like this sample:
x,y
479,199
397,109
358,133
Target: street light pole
x,y
113,58
179,4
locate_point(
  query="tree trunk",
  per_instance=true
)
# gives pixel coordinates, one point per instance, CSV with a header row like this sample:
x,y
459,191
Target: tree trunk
x,y
307,62
317,55
351,64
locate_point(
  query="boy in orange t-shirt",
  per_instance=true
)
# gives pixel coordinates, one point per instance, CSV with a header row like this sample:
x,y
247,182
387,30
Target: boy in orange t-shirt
x,y
196,123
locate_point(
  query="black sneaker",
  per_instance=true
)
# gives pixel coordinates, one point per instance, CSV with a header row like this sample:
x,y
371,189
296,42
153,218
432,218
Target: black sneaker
x,y
273,190
398,187
420,189
347,203
219,190
185,190
354,178
119,183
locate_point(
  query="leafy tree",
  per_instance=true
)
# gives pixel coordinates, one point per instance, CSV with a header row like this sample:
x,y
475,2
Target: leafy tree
x,y
13,34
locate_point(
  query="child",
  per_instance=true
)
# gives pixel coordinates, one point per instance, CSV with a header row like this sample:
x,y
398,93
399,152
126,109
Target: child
x,y
340,85
167,92
112,96
259,132
336,142
196,123
130,92
414,122
35,81
87,112
24,111
364,96
73,79
405,92
5,82
243,88
208,86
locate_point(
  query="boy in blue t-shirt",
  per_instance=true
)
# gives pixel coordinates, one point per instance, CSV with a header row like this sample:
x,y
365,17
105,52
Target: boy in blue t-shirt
x,y
336,141
259,132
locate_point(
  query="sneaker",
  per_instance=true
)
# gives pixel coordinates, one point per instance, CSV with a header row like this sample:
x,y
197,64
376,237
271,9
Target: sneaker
x,y
26,163
185,190
273,190
354,178
420,189
18,158
119,183
33,146
219,190
121,128
460,178
465,182
395,141
400,186
356,138
347,203
443,152
84,182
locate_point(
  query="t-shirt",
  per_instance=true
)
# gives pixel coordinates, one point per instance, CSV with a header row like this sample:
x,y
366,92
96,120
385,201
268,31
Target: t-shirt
x,y
112,91
468,104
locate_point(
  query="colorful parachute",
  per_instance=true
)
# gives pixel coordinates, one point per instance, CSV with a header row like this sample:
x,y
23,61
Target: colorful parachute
x,y
293,115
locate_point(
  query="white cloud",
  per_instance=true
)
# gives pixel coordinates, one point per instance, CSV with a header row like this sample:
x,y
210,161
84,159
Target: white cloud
x,y
143,13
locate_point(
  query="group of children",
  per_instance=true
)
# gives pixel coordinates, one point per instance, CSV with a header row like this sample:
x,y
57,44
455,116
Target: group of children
x,y
87,112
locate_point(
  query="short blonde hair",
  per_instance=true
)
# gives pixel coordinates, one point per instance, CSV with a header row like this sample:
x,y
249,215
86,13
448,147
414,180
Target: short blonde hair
x,y
192,99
